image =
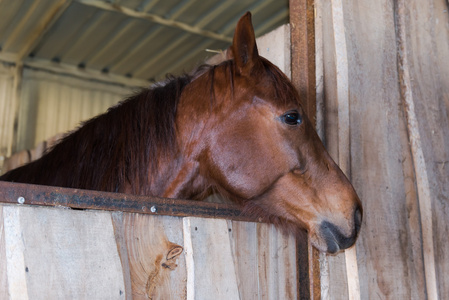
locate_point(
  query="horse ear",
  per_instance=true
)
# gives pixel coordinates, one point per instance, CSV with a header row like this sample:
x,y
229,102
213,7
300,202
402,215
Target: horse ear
x,y
244,48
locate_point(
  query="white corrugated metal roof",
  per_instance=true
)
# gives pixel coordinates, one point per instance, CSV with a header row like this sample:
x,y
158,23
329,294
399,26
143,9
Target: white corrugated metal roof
x,y
141,39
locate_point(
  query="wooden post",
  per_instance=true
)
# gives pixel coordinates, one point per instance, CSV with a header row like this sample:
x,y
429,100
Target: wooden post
x,y
302,22
302,26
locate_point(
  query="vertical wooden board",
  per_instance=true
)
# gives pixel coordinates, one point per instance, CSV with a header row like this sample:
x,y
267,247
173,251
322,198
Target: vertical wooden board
x,y
61,254
302,14
426,45
120,239
337,279
286,259
276,264
152,255
380,154
265,261
378,143
210,269
244,243
3,272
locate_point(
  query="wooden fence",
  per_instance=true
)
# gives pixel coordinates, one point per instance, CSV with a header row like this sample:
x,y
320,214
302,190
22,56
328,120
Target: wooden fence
x,y
55,243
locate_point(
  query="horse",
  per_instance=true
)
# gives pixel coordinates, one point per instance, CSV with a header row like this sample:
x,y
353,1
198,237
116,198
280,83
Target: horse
x,y
237,128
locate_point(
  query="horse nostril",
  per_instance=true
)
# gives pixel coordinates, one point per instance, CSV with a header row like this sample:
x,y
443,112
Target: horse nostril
x,y
358,219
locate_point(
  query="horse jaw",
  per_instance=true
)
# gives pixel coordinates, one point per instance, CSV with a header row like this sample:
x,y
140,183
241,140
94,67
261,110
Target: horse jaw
x,y
332,217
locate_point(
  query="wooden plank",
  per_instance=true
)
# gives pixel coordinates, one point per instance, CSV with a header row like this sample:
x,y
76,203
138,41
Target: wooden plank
x,y
15,248
151,248
74,251
211,273
276,264
120,239
379,151
319,68
4,290
422,179
264,260
244,245
344,152
302,26
423,46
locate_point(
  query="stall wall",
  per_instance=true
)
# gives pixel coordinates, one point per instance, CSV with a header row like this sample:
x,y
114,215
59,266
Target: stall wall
x,y
6,109
54,103
385,94
39,106
56,253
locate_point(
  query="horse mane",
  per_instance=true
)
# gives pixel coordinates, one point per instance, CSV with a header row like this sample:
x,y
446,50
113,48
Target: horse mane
x,y
116,147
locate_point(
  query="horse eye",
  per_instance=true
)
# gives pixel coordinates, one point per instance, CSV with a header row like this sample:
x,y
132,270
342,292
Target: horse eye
x,y
292,118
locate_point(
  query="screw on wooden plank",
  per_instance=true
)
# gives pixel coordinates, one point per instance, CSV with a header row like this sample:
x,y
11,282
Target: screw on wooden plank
x,y
21,200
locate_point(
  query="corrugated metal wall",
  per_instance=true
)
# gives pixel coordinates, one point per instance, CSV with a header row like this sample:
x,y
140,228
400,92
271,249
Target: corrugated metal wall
x,y
6,109
54,103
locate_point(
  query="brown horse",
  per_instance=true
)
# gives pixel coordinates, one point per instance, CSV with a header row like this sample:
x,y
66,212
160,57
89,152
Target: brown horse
x,y
237,128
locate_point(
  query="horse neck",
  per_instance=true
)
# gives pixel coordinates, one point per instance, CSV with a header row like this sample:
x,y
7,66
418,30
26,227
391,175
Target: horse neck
x,y
171,171
178,177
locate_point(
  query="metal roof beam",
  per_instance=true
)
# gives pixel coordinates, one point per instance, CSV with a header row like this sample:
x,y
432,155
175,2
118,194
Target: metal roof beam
x,y
200,23
52,15
280,15
89,74
61,68
227,28
155,19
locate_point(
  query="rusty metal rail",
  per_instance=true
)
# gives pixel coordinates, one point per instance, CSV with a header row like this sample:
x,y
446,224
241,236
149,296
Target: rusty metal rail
x,y
27,194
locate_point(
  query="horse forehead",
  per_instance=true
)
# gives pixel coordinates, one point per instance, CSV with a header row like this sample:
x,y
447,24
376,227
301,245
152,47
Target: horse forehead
x,y
275,91
265,94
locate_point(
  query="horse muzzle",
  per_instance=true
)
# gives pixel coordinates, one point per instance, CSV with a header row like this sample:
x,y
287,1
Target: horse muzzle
x,y
335,239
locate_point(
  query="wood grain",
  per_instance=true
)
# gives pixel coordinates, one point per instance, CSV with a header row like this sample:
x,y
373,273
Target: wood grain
x,y
303,76
61,254
423,40
153,248
277,269
211,271
265,261
4,290
383,41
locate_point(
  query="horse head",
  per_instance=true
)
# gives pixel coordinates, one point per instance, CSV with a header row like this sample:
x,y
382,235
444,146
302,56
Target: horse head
x,y
249,138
